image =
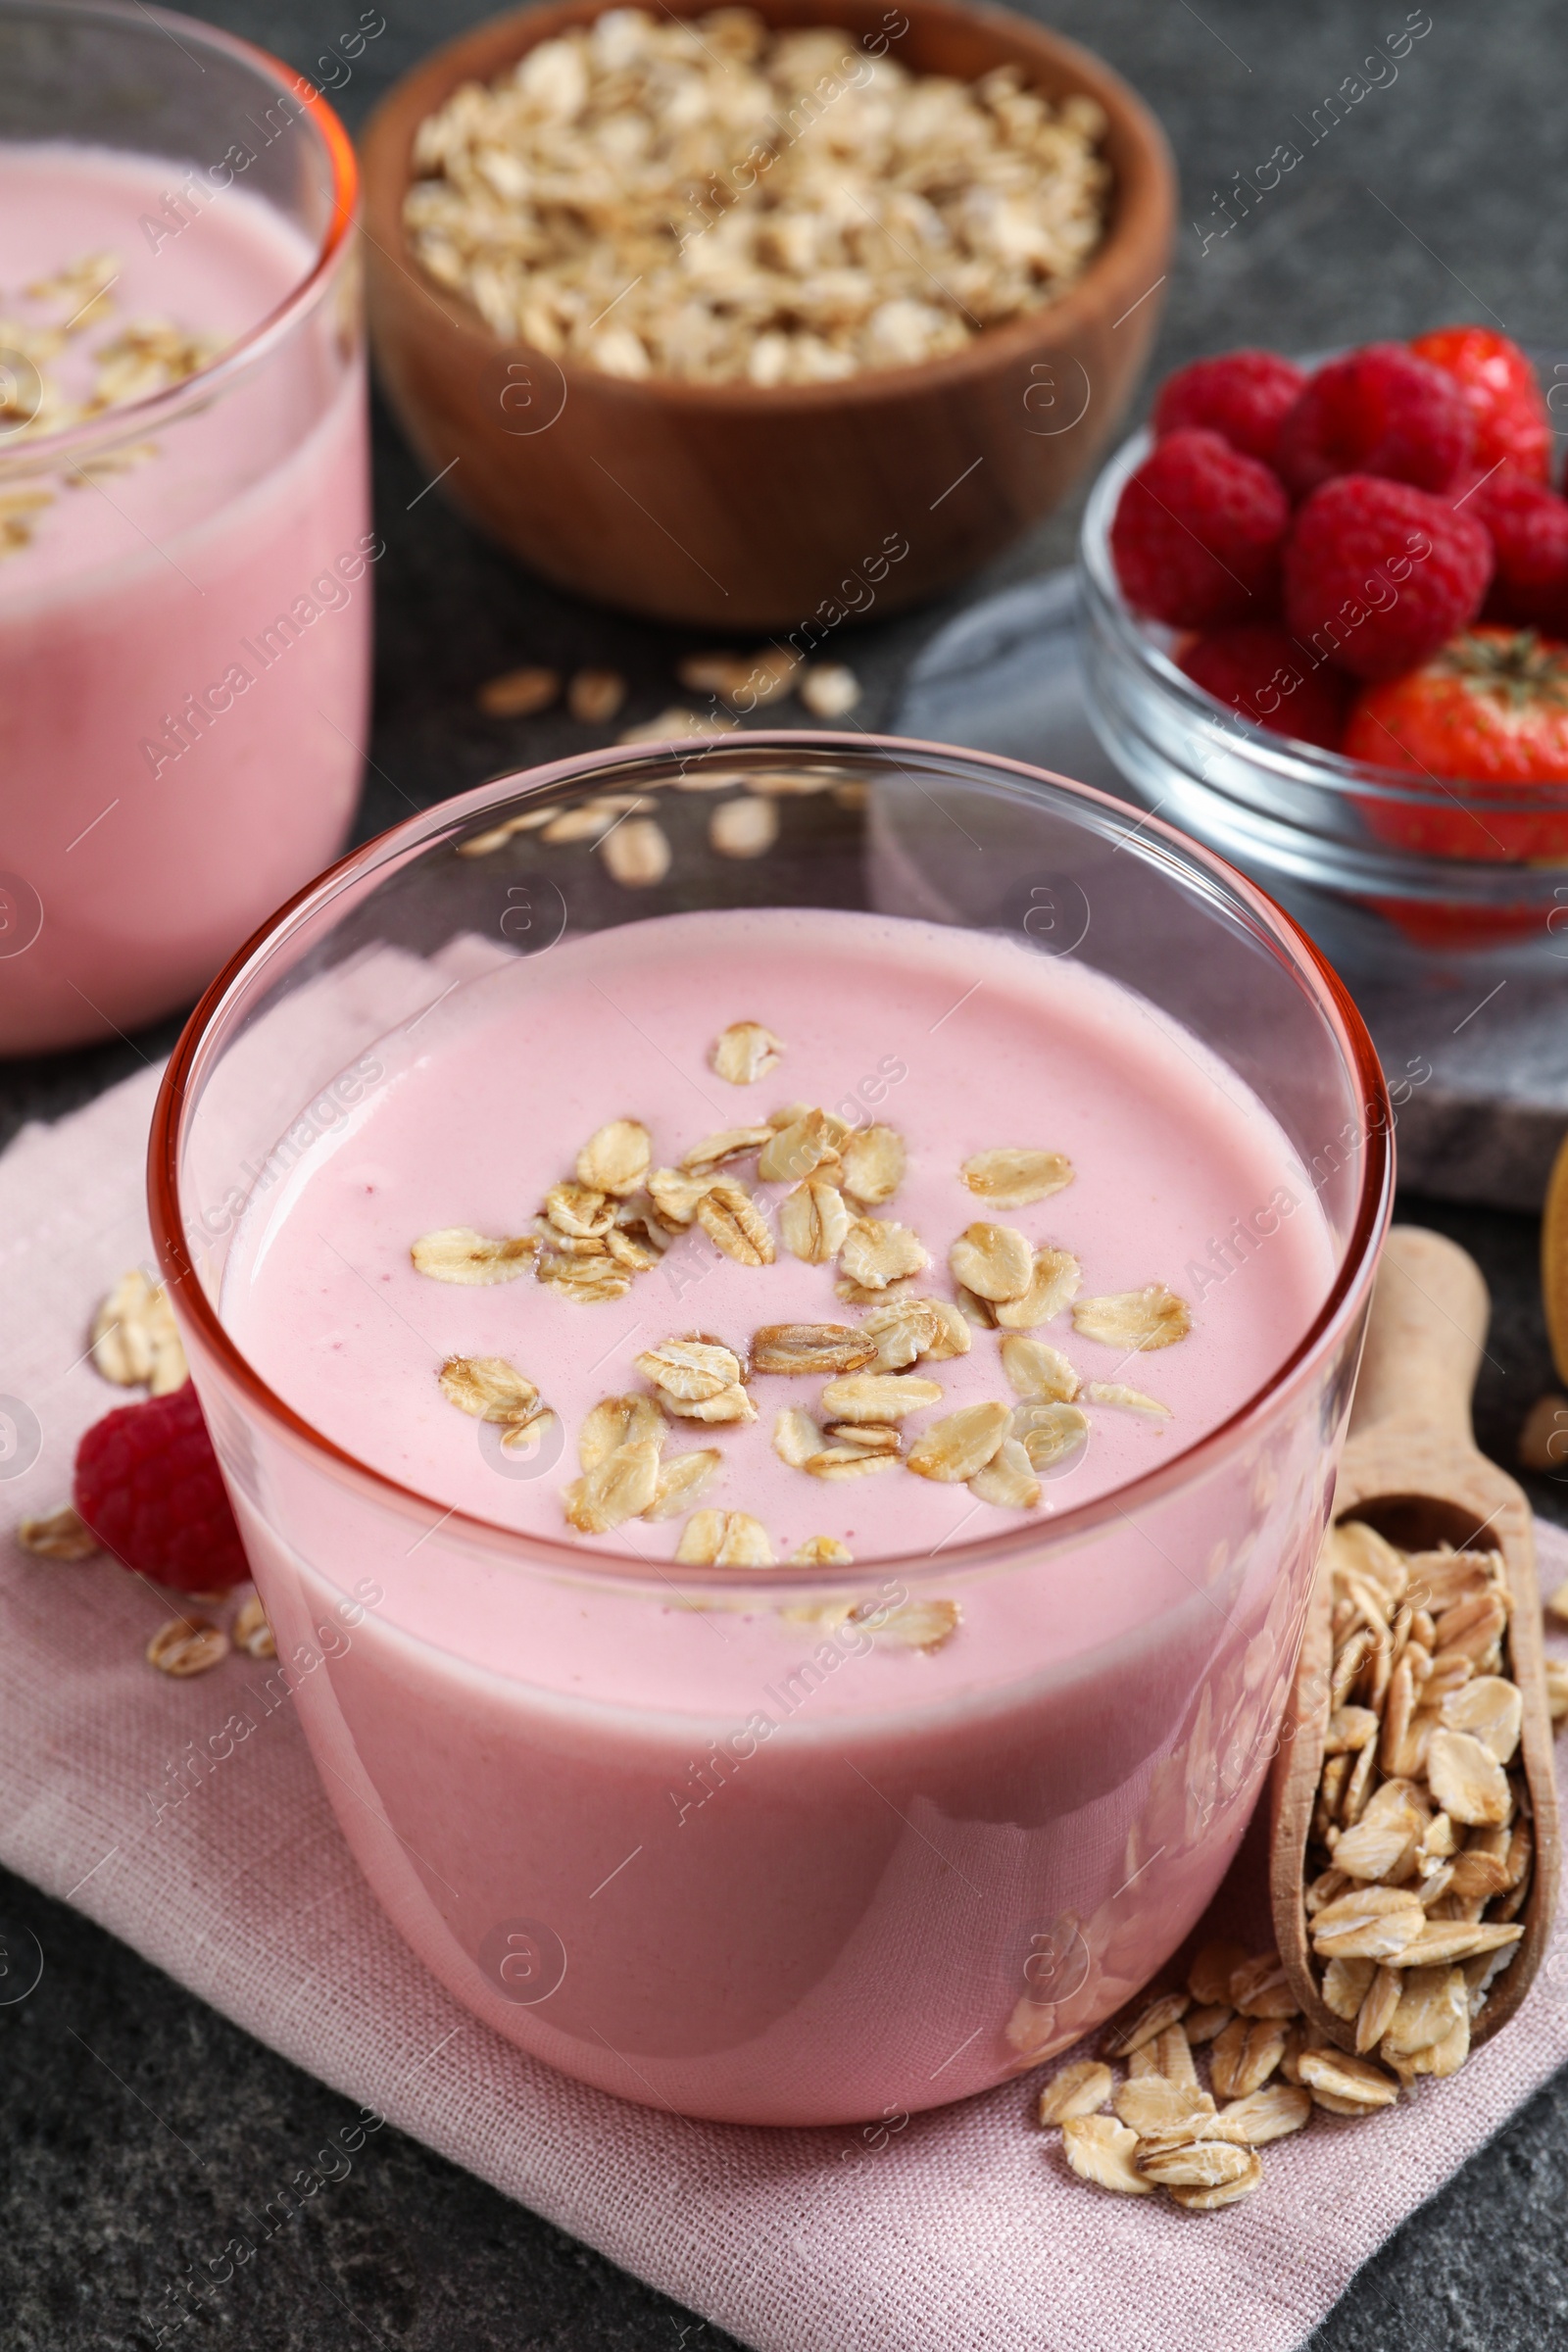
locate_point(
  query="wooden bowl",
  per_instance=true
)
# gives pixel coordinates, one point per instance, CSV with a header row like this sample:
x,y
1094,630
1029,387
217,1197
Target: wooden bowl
x,y
739,508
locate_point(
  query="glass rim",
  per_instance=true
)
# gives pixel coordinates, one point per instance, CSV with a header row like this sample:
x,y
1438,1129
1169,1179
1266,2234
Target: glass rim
x,y
20,454
422,831
1285,756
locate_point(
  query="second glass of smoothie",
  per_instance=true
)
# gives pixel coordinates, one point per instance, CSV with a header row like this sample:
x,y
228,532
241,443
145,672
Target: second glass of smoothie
x,y
185,545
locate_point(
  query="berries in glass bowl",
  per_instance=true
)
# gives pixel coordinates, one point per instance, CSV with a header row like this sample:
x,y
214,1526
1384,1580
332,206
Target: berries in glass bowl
x,y
1308,552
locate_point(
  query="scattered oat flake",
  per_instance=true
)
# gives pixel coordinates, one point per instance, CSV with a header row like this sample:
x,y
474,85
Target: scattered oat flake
x,y
829,690
823,1551
876,1252
457,1253
58,1534
955,1448
1150,2016
1128,1401
251,1632
1229,2191
1039,1373
878,1396
689,1370
734,1224
681,1480
993,1261
1205,2024
594,696
728,1143
1260,1988
587,822
1337,2075
1103,2150
1244,2054
1078,2090
617,1421
519,692
1008,1482
873,1159
1272,2112
801,1145
675,1195
619,1487
1014,1176
488,1388
797,1439
811,1347
187,1646
134,1339
724,1539
1159,2110
745,1051
813,1222
747,827
637,853
616,1157
923,1625
1053,1283
1142,1320
846,1459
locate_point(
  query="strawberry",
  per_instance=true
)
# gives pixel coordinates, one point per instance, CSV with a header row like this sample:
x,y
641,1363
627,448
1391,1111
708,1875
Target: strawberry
x,y
1510,414
1490,713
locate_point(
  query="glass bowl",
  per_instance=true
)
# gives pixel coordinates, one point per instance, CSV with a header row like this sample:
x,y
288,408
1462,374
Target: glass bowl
x,y
795,1873
186,587
1327,837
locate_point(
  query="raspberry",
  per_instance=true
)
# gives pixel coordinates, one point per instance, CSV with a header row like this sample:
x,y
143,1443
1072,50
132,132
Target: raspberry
x,y
1377,575
1527,525
1377,411
1507,411
1242,397
1260,672
149,1487
1197,533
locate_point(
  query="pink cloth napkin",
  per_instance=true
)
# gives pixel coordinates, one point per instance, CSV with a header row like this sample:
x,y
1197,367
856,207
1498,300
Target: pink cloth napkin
x,y
963,2230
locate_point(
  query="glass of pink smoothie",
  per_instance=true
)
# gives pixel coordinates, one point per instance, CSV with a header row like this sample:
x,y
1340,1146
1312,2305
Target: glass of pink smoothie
x,y
765,1786
185,546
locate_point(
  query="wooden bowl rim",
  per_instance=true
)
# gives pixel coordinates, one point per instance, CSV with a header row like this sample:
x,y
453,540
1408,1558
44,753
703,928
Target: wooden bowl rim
x,y
1145,194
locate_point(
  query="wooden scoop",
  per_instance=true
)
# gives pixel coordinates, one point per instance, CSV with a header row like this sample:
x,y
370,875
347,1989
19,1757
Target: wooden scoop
x,y
1412,1471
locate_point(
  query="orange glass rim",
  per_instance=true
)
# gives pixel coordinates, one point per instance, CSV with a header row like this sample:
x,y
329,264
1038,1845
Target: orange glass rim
x,y
163,408
1351,1283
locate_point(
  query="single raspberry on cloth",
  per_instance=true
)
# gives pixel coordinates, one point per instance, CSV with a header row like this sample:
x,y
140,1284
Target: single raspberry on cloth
x,y
1261,672
1527,525
1378,575
149,1487
1377,411
1243,396
1197,533
1507,408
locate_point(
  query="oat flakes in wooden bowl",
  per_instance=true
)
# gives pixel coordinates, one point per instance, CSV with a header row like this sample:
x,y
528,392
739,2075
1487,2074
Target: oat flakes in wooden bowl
x,y
925,333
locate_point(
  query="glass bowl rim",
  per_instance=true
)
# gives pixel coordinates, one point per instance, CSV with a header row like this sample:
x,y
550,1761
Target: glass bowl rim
x,y
1029,1542
1285,756
21,454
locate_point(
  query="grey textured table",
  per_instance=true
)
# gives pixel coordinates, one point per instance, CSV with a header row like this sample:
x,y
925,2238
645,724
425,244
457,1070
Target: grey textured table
x,y
137,2126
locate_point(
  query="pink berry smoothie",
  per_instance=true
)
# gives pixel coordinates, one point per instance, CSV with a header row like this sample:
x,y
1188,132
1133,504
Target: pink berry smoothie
x,y
184,626
734,1852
